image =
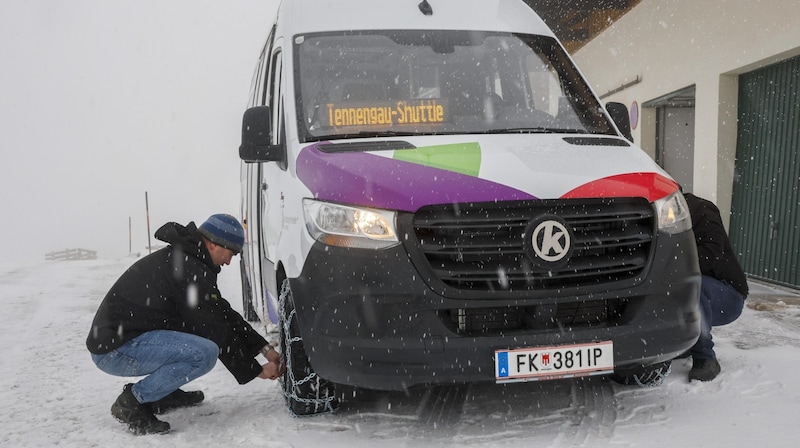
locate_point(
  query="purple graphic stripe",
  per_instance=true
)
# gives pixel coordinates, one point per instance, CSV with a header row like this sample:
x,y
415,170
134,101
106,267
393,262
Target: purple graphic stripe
x,y
368,180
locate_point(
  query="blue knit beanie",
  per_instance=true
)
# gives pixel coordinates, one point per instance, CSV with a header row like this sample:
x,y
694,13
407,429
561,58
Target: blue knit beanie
x,y
223,230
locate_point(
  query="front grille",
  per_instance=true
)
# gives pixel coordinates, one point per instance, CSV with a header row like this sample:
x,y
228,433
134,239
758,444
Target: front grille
x,y
484,247
510,319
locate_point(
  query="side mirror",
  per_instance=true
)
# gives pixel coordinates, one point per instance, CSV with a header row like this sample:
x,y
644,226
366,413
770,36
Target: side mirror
x,y
256,137
619,113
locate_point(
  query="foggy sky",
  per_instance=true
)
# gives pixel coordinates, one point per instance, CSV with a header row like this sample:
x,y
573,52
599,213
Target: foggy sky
x,y
104,100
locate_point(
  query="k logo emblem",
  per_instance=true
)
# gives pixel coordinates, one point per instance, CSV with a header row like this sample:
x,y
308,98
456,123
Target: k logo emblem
x,y
551,240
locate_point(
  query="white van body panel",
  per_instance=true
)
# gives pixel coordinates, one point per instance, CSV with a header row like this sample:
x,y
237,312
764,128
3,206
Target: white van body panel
x,y
305,16
547,167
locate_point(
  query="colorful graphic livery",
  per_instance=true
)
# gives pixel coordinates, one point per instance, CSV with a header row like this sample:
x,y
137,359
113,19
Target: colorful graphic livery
x,y
435,197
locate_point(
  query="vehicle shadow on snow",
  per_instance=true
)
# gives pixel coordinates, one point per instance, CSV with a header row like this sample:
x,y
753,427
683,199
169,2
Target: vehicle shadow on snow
x,y
574,409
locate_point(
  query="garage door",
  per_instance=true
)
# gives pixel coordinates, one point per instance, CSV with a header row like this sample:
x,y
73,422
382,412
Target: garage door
x,y
765,213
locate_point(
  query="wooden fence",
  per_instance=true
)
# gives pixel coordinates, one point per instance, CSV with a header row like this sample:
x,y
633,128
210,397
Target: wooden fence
x,y
71,254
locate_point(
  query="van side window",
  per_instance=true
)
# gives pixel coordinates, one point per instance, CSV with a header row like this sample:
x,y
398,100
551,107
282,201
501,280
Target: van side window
x,y
276,101
258,84
261,79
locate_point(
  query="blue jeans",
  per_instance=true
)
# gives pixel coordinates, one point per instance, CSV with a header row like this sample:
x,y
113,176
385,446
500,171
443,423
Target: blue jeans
x,y
720,304
169,359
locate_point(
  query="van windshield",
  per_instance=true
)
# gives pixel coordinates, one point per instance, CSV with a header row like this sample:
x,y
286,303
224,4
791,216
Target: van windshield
x,y
417,82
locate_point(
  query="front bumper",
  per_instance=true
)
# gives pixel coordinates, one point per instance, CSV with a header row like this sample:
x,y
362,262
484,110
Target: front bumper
x,y
369,319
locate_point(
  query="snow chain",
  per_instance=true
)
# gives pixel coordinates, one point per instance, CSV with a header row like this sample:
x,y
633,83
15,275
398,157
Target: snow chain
x,y
654,378
292,383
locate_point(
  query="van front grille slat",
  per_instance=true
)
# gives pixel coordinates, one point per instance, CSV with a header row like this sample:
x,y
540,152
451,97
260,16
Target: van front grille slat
x,y
484,246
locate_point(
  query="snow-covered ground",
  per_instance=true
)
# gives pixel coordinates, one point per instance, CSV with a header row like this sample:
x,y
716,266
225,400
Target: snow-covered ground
x,y
51,393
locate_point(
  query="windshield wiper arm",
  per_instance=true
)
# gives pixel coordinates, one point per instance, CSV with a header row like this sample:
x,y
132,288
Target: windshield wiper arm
x,y
382,134
535,130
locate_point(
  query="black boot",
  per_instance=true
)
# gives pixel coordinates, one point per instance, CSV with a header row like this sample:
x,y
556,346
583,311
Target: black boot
x,y
704,369
139,417
177,399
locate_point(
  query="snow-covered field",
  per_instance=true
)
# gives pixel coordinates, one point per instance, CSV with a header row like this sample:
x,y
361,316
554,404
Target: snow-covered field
x,y
52,395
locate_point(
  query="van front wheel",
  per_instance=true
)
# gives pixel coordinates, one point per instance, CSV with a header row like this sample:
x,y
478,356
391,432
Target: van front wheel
x,y
305,392
648,376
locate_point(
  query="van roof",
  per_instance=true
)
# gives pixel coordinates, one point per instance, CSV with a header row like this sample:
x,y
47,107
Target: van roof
x,y
306,16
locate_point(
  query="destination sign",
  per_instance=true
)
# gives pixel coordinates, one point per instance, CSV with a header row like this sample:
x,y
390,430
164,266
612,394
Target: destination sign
x,y
387,113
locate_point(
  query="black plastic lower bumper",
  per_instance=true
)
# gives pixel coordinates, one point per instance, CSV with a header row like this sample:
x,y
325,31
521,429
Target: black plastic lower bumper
x,y
368,319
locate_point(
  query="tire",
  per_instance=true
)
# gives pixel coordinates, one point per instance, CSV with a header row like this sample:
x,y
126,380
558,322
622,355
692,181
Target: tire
x,y
248,312
648,376
351,394
306,392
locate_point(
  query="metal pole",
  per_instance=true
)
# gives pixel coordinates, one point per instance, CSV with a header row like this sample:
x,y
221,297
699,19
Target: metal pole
x,y
147,209
130,236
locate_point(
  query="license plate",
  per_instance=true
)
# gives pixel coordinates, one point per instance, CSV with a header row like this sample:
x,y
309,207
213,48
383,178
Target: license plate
x,y
547,363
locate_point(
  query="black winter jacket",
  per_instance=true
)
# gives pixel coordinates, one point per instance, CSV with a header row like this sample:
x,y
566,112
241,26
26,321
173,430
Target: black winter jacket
x,y
175,288
717,258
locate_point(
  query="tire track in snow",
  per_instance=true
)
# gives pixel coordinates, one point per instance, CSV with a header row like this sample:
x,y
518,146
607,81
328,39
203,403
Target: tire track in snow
x,y
594,408
579,412
442,406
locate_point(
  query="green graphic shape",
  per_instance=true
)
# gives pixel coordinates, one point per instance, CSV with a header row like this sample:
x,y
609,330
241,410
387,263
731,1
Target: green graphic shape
x,y
464,158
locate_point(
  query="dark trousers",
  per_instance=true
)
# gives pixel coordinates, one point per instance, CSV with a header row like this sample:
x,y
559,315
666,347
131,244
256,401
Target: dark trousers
x,y
169,359
720,304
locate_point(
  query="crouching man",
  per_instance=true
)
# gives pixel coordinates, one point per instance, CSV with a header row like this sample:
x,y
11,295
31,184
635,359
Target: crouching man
x,y
165,319
724,288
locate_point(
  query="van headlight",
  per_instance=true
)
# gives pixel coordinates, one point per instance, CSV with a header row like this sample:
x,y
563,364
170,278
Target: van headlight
x,y
340,225
673,214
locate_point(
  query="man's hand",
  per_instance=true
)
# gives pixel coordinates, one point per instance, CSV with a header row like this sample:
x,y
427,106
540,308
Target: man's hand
x,y
273,356
269,371
275,368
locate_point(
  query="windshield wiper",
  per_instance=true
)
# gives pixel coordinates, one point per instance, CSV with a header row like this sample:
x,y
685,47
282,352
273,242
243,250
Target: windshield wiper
x,y
377,134
362,134
381,134
535,130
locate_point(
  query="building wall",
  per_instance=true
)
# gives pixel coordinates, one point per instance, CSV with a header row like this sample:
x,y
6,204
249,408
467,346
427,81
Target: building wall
x,y
673,44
